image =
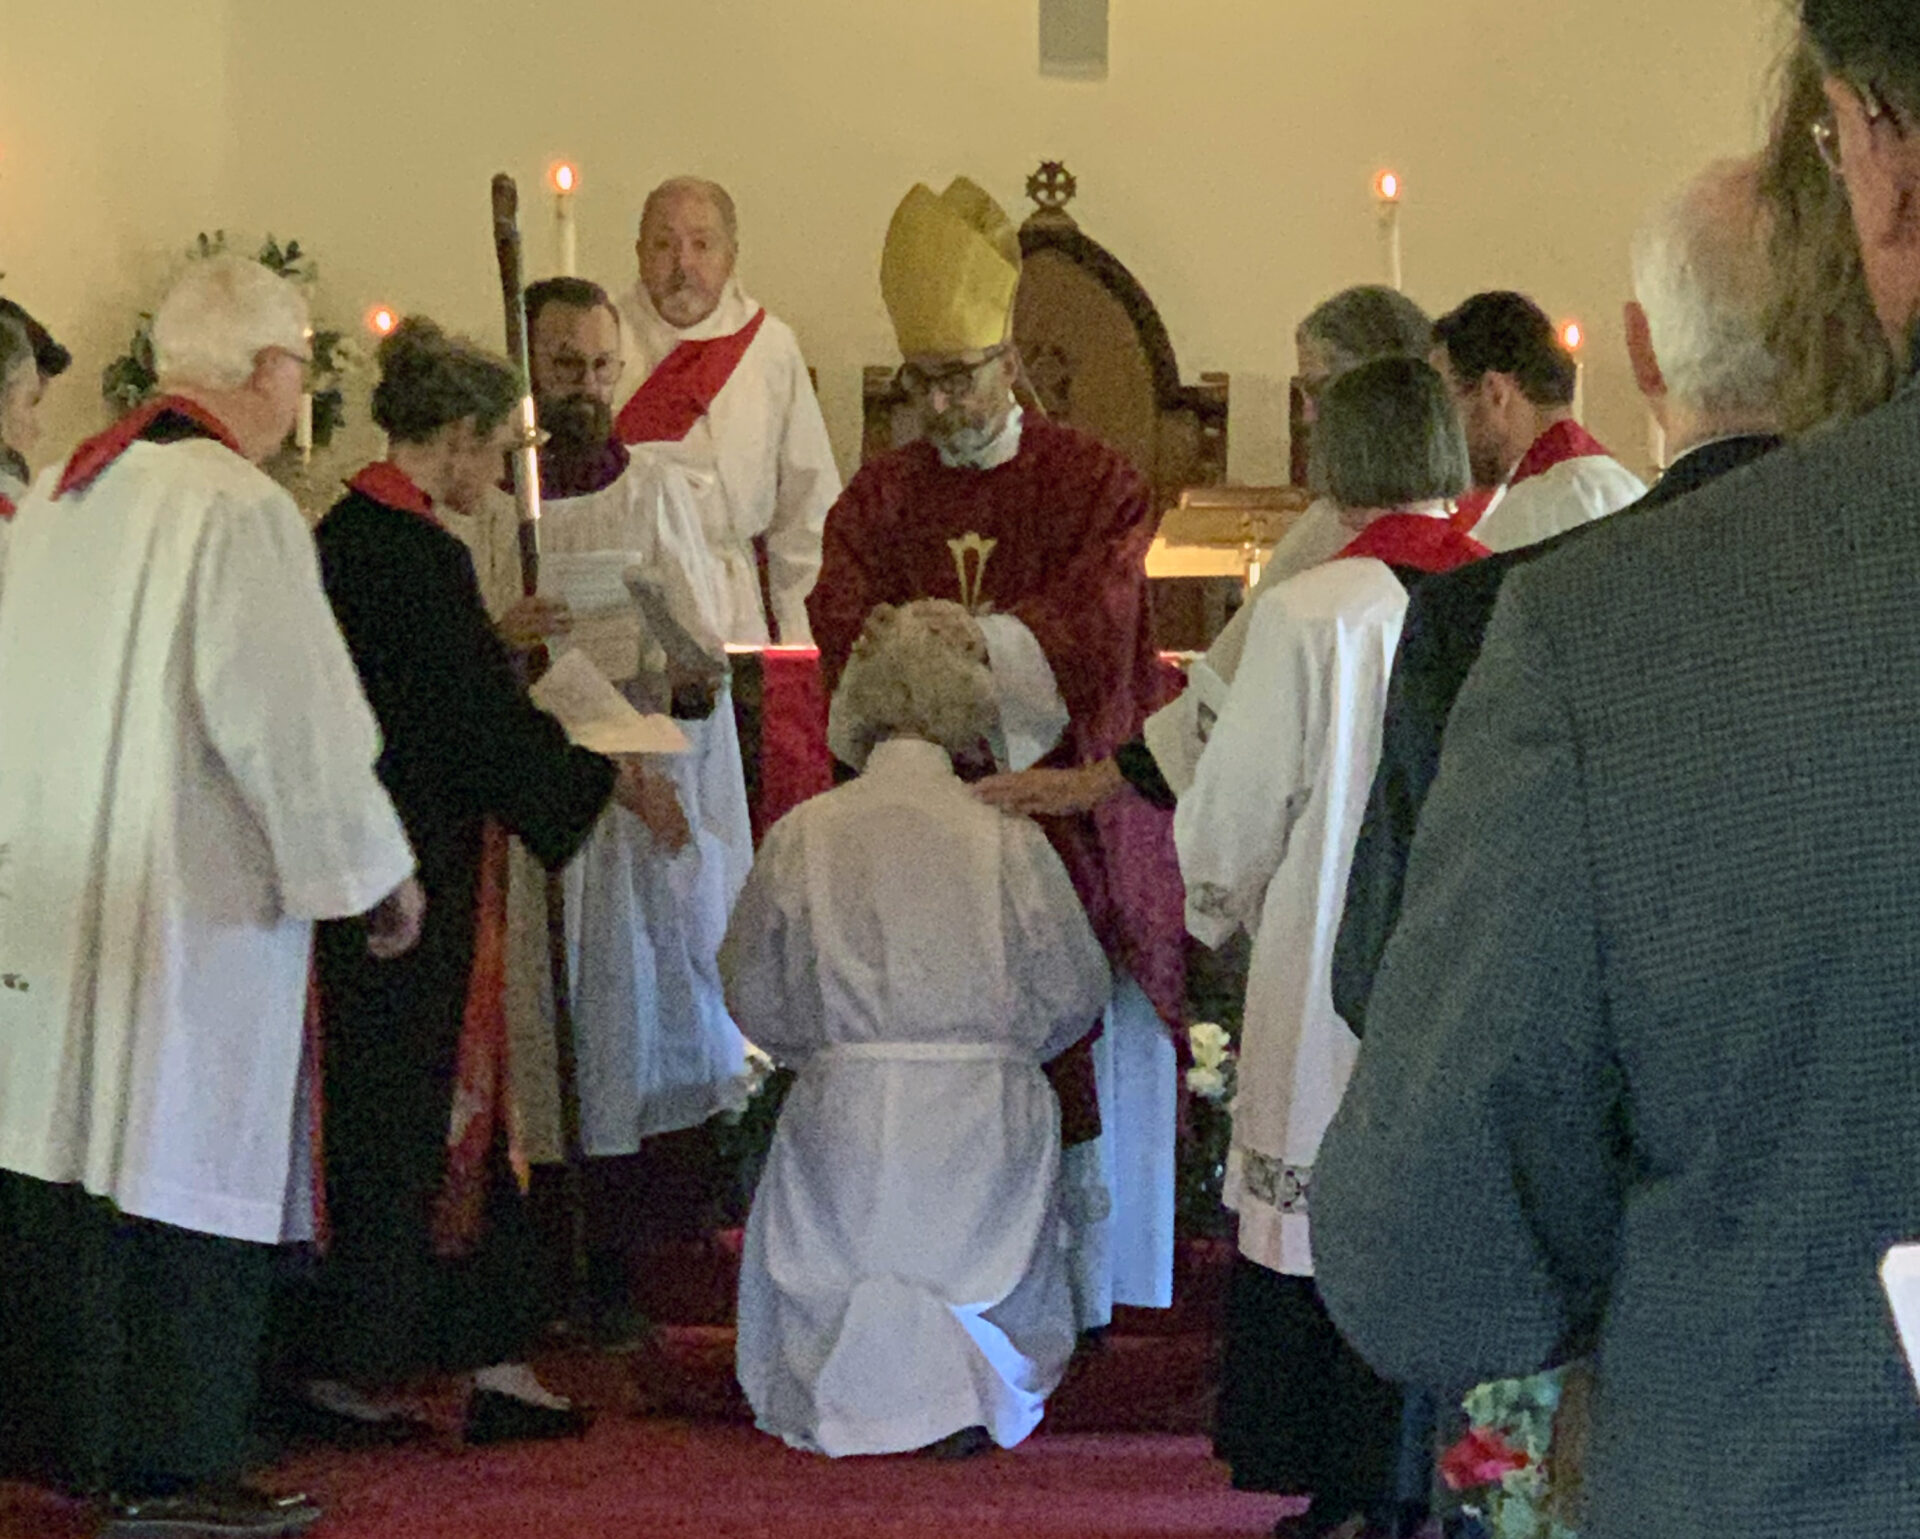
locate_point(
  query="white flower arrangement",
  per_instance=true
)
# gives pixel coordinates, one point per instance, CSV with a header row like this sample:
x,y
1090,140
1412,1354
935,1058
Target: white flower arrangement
x,y
1214,1065
746,1085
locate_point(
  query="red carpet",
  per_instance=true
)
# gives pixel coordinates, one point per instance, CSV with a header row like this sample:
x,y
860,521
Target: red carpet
x,y
634,1479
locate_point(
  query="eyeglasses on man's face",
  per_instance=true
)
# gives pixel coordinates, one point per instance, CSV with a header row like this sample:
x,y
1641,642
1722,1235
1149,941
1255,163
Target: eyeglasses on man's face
x,y
566,367
950,383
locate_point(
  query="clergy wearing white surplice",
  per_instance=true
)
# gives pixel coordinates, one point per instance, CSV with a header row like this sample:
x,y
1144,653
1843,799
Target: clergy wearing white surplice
x,y
719,385
657,1050
186,784
918,956
1266,836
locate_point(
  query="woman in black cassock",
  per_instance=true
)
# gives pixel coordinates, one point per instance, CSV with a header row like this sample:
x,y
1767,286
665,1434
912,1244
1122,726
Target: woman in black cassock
x,y
403,1285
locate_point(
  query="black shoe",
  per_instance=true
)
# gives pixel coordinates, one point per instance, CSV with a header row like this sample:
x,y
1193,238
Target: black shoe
x,y
300,1420
496,1418
238,1511
967,1443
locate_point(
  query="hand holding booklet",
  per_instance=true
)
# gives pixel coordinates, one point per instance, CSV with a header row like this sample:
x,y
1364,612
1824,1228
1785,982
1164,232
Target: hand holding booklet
x,y
595,715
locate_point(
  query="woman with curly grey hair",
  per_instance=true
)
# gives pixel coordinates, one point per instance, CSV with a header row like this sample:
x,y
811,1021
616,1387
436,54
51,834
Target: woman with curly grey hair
x,y
917,956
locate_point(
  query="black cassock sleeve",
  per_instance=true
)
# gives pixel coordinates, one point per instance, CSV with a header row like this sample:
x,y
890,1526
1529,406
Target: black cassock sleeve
x,y
463,741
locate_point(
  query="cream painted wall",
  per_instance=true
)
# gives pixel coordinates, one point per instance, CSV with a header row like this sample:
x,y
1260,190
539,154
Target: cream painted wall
x,y
115,148
1226,160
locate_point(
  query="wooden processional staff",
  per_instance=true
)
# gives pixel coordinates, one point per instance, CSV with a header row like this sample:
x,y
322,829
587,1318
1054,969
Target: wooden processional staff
x,y
525,460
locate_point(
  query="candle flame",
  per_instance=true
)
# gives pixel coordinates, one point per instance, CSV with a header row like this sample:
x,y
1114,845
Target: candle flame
x,y
1572,338
564,176
1386,187
381,320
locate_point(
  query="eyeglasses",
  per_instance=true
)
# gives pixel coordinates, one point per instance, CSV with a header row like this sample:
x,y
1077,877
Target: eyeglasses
x,y
952,383
574,369
1825,129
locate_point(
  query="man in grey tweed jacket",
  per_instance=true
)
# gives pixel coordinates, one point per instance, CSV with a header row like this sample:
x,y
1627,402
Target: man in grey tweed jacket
x,y
1642,1067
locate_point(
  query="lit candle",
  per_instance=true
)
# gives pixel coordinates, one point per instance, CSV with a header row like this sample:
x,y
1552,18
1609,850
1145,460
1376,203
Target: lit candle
x,y
381,319
566,241
1573,338
303,427
1386,193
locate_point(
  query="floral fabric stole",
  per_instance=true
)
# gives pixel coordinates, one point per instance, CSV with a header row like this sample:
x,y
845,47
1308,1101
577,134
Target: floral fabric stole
x,y
483,1107
678,393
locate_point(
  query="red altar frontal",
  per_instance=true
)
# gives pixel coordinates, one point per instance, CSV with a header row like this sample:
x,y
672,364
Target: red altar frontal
x,y
781,708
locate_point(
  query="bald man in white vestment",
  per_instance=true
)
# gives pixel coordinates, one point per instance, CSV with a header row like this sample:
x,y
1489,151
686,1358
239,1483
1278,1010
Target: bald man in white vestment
x,y
718,385
186,784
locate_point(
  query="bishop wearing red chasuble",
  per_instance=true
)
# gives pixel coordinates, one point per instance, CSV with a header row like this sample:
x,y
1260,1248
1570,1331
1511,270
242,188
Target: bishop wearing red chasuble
x,y
1042,533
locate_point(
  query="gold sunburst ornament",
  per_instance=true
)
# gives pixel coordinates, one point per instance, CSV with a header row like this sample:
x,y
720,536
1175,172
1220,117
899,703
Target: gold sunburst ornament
x,y
972,578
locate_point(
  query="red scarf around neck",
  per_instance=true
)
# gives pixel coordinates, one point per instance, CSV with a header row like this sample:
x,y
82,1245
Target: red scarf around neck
x,y
679,392
86,463
390,486
1565,440
1417,541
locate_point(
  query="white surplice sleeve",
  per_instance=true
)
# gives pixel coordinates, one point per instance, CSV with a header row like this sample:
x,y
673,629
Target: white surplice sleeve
x,y
808,485
766,961
1059,974
283,709
1253,780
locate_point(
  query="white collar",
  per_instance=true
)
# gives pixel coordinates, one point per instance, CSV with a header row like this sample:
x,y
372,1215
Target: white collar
x,y
655,336
1005,445
901,757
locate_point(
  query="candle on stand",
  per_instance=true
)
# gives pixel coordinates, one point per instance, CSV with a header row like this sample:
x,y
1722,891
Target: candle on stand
x,y
303,427
1386,193
1656,444
1573,338
566,241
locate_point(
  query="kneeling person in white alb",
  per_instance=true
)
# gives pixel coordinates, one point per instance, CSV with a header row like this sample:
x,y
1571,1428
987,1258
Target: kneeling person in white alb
x,y
917,955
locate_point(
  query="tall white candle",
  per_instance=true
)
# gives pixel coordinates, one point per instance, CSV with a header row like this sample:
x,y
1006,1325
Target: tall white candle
x,y
1573,337
303,426
1386,192
566,239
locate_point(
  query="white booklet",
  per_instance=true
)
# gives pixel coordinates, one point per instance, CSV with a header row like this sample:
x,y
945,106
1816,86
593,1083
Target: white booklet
x,y
1900,1276
595,715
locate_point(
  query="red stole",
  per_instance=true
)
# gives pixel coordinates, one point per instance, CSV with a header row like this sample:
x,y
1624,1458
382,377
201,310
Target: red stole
x,y
482,1106
1417,541
1565,440
678,393
7,509
1470,509
87,462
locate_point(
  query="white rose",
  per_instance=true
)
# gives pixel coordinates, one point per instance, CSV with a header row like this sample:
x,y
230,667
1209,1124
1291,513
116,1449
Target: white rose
x,y
1207,1082
1208,1043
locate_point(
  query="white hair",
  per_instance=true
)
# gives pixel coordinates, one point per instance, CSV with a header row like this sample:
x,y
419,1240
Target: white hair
x,y
1702,274
918,670
219,317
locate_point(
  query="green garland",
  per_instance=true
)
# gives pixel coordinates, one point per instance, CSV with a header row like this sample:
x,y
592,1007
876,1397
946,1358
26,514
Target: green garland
x,y
131,379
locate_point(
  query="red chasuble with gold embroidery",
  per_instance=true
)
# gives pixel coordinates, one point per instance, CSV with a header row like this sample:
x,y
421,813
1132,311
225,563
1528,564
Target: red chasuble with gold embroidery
x,y
1070,521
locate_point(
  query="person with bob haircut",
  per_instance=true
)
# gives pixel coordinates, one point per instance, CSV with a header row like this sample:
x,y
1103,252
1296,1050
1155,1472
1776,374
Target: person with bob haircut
x,y
917,956
431,1262
1265,836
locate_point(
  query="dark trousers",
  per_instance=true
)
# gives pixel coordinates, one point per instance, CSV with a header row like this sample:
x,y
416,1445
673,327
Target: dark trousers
x,y
129,1350
1299,1411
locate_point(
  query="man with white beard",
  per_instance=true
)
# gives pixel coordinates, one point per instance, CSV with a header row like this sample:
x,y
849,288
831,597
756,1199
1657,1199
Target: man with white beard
x,y
186,784
718,384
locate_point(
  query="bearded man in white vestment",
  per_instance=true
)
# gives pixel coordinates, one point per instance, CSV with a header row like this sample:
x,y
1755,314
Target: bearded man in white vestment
x,y
917,956
657,1050
719,385
186,784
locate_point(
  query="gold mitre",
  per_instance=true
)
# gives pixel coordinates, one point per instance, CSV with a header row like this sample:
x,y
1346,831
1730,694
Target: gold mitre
x,y
949,270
